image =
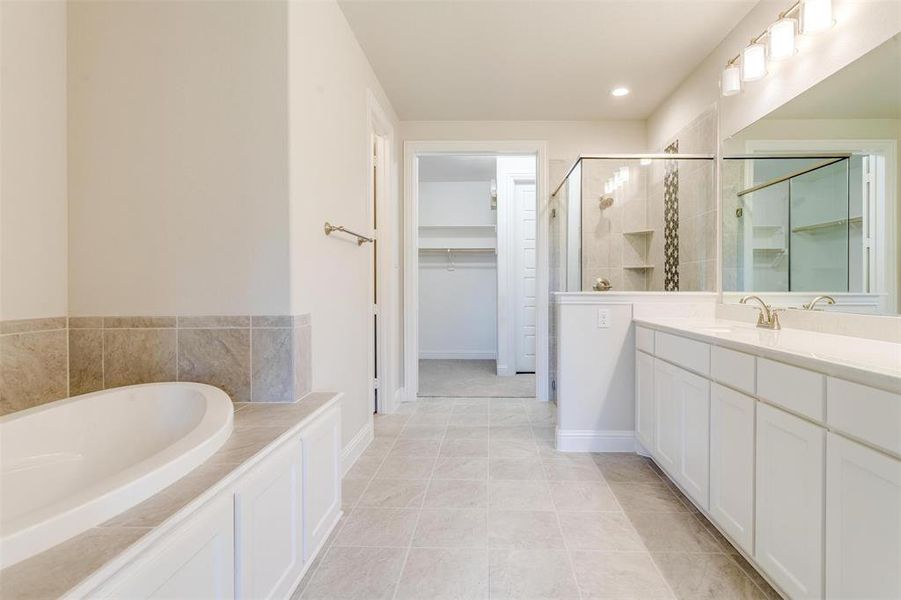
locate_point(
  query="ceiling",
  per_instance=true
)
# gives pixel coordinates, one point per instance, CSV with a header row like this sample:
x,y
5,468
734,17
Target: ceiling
x,y
536,59
457,168
868,88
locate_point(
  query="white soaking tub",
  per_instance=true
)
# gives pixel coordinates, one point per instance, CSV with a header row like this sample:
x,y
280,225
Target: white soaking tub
x,y
70,465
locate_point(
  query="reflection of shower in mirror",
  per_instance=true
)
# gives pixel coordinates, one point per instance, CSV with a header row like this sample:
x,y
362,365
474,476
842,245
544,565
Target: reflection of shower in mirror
x,y
605,202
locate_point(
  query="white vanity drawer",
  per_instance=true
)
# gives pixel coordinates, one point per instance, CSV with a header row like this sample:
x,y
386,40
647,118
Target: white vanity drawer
x,y
682,351
735,369
871,415
796,389
644,339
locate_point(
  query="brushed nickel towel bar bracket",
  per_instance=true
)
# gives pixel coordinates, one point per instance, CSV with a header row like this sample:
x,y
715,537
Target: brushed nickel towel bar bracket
x,y
361,239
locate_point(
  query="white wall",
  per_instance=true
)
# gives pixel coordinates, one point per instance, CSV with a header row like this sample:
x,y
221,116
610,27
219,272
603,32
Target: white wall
x,y
455,203
178,165
329,166
33,210
861,26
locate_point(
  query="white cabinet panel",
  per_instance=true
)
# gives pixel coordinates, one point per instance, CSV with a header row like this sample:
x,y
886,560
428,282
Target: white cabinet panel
x,y
871,415
321,478
732,464
667,418
644,339
735,369
644,399
694,471
194,562
863,522
684,352
799,390
268,513
790,490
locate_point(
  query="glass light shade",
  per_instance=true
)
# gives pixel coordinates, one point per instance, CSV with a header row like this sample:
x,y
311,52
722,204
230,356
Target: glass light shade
x,y
644,162
781,36
753,62
816,16
624,174
617,178
731,80
608,187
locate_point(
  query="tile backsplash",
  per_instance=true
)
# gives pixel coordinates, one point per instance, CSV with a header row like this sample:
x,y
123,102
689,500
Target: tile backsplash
x,y
259,358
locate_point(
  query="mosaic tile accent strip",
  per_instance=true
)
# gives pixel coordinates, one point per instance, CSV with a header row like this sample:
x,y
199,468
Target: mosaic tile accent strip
x,y
671,221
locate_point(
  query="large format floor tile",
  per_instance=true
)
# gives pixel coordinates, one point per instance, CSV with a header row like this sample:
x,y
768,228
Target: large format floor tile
x,y
466,498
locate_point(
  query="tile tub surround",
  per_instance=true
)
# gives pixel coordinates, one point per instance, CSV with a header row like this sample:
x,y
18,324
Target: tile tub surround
x,y
532,523
33,362
55,572
262,358
265,358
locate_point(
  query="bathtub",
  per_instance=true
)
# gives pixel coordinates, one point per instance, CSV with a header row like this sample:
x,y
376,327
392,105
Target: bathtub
x,y
70,465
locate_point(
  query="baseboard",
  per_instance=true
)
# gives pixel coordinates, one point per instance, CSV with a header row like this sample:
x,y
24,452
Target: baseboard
x,y
590,440
355,448
444,355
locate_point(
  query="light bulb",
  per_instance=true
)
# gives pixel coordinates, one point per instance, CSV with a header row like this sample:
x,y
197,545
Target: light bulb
x,y
753,62
816,16
781,36
619,91
731,80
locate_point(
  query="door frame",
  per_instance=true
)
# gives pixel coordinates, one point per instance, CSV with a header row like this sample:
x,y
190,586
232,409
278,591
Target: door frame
x,y
380,136
412,151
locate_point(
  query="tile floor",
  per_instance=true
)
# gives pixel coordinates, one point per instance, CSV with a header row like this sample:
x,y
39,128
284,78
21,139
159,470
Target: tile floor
x,y
467,498
471,378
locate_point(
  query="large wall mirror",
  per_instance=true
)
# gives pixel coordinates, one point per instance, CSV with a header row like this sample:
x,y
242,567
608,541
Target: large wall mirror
x,y
811,194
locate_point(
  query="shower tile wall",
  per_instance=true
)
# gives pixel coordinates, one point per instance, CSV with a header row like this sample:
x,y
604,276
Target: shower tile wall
x,y
252,358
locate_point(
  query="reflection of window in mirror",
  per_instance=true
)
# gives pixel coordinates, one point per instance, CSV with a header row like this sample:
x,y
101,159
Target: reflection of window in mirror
x,y
811,193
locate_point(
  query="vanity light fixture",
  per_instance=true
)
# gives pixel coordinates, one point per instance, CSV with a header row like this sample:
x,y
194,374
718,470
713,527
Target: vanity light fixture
x,y
781,38
816,16
624,174
619,91
731,80
780,43
608,186
617,179
753,62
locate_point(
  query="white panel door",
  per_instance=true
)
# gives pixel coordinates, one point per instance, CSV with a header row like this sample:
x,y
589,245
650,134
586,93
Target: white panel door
x,y
667,418
196,562
732,464
863,521
644,399
321,478
525,269
694,469
269,516
791,457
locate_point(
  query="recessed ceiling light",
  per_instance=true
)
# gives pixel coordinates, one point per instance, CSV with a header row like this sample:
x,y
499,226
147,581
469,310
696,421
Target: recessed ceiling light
x,y
620,91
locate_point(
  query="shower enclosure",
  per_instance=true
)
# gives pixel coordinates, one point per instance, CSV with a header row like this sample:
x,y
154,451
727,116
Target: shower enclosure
x,y
635,223
794,224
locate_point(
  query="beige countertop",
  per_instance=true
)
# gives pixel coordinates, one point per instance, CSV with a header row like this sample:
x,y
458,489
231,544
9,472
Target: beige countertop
x,y
869,362
58,570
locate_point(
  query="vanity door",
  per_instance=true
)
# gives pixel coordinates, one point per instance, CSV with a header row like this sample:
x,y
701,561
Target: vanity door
x,y
693,394
644,399
790,500
667,417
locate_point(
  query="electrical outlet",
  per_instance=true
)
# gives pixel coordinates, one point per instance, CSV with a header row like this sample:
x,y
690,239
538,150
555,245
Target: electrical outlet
x,y
603,318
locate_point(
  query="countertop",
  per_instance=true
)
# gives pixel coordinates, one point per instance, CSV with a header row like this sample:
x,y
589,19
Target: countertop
x,y
870,362
59,570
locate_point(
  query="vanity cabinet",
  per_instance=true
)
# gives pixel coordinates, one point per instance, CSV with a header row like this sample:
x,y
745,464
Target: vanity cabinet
x,y
732,427
791,456
863,521
321,480
798,469
682,406
644,399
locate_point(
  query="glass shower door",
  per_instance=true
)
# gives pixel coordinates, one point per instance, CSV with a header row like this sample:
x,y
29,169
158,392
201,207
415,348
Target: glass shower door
x,y
819,241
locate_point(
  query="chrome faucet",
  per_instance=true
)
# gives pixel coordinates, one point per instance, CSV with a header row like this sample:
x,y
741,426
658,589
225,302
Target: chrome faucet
x,y
813,303
768,318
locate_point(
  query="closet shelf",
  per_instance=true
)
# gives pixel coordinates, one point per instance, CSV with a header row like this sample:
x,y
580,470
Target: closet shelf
x,y
453,250
457,227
